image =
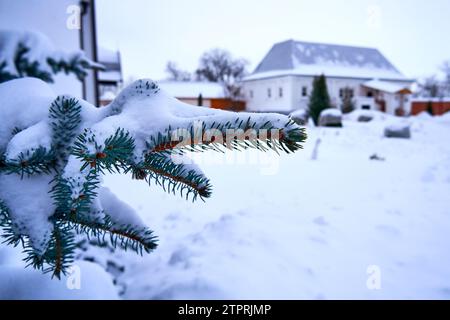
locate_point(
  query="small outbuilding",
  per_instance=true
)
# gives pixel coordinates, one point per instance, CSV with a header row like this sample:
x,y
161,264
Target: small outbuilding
x,y
204,94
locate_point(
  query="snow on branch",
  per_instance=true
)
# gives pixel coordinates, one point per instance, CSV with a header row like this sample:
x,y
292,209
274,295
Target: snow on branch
x,y
31,54
54,153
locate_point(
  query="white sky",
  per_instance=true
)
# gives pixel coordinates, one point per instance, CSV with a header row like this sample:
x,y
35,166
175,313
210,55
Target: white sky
x,y
413,34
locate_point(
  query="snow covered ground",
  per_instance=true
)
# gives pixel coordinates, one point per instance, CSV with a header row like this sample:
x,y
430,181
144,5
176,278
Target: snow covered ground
x,y
316,229
291,227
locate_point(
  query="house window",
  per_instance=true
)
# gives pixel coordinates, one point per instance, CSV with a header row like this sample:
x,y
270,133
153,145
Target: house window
x,y
369,94
269,93
346,91
365,107
280,92
250,93
304,91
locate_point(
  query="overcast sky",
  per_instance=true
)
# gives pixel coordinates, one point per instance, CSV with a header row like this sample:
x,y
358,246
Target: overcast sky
x,y
413,34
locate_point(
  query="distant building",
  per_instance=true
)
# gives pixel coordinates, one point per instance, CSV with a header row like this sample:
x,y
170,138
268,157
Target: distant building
x,y
205,94
54,18
282,82
110,80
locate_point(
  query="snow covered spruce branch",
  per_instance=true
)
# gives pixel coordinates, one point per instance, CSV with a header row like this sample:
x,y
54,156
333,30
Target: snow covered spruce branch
x,y
55,149
31,54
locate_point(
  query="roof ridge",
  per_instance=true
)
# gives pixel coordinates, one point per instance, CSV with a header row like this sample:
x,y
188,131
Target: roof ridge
x,y
335,44
326,44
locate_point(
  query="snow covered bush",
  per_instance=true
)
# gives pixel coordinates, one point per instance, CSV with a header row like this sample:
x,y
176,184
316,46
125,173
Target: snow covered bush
x,y
55,149
397,130
363,115
330,118
300,116
31,54
367,117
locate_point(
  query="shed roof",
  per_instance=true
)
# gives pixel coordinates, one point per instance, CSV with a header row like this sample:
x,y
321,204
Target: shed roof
x,y
386,86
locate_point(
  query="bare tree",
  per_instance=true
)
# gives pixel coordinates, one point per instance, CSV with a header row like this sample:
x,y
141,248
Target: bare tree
x,y
217,65
177,74
430,88
446,85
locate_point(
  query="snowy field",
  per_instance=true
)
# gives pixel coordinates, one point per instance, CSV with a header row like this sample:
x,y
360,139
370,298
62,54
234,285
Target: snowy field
x,y
314,229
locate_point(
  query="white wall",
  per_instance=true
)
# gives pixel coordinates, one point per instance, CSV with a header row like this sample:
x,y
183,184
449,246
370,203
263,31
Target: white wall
x,y
292,92
393,101
298,100
48,17
361,102
262,102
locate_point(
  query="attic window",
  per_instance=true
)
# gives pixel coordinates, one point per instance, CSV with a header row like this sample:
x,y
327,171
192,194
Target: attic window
x,y
280,92
304,91
269,93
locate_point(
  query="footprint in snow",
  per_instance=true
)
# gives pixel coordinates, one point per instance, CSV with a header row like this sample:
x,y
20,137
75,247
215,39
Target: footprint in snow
x,y
388,230
309,271
172,216
181,257
318,240
320,221
445,291
428,176
394,212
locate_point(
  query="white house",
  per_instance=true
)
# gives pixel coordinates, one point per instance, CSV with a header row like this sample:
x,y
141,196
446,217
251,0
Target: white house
x,y
282,82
